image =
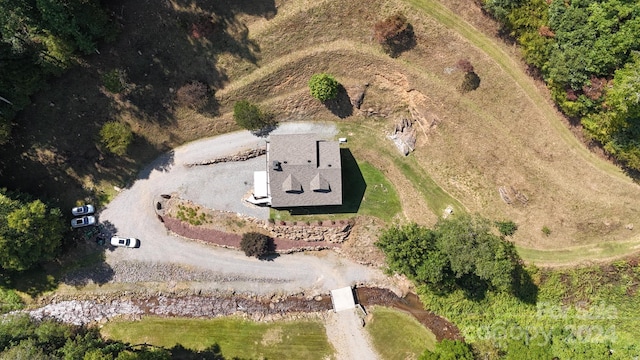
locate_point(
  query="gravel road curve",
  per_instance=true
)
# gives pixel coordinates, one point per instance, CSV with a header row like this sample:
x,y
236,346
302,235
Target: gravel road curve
x,y
212,268
164,258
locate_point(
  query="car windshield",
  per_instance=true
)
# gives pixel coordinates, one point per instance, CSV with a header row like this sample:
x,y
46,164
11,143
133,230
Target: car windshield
x,y
128,242
78,221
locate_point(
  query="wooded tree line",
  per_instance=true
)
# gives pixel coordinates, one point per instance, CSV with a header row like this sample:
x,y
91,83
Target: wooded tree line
x,y
30,232
25,338
40,39
457,254
587,52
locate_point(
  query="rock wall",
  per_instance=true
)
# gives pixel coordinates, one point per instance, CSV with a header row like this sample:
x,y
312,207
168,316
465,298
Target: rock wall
x,y
334,233
241,156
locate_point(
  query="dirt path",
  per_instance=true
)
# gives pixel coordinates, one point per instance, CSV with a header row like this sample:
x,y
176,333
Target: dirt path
x,y
346,333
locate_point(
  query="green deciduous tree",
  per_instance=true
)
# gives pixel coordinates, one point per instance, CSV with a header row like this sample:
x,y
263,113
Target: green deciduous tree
x,y
41,38
250,116
323,87
30,232
577,46
116,137
618,127
80,22
458,253
24,338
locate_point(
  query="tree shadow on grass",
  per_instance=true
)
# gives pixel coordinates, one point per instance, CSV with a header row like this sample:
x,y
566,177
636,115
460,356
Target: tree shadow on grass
x,y
523,286
341,105
404,41
353,188
213,352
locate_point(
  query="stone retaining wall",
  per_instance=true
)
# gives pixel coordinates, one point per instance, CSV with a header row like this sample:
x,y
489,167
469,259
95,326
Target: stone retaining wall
x,y
241,156
333,233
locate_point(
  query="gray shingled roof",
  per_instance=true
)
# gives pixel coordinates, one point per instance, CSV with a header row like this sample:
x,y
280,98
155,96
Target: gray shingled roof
x,y
310,171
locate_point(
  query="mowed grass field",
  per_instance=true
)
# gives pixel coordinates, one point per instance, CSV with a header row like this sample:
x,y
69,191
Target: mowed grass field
x,y
504,136
236,337
394,334
385,326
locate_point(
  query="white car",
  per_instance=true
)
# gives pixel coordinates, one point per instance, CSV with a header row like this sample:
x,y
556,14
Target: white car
x,y
82,210
83,221
125,242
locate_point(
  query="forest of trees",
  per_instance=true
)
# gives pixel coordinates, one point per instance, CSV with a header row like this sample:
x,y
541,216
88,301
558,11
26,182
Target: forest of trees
x,y
459,253
30,232
587,52
40,39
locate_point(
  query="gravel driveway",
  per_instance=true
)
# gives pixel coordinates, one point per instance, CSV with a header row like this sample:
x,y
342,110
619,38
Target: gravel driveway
x,y
164,257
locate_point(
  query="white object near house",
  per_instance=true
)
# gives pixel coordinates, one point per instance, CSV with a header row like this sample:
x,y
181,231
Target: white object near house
x,y
260,194
260,184
342,299
342,140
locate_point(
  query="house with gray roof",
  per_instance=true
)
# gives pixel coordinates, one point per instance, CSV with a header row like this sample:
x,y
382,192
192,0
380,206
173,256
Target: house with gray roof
x,y
303,170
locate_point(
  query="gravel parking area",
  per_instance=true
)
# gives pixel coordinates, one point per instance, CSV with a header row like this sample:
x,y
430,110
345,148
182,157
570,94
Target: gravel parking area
x,y
223,186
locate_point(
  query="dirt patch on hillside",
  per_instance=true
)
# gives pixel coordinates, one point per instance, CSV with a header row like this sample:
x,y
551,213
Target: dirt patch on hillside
x,y
361,244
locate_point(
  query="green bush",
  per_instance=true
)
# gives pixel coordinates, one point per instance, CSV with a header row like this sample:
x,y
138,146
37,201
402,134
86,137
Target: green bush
x,y
116,137
546,230
323,87
507,228
9,301
449,349
115,80
250,116
256,244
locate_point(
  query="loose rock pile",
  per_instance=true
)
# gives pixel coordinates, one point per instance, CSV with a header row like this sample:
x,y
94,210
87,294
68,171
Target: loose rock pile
x,y
84,312
133,306
404,136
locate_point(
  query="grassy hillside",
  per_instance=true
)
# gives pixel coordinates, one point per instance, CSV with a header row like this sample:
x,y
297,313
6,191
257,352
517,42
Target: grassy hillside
x,y
504,135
